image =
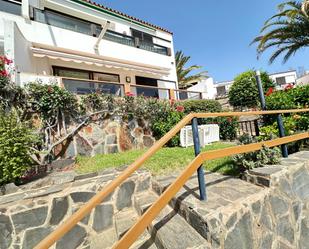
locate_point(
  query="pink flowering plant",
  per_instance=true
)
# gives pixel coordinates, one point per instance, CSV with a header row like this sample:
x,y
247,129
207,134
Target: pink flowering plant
x,y
4,71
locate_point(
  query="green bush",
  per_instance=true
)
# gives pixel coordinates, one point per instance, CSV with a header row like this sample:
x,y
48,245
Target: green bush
x,y
244,91
228,127
204,105
266,156
163,125
16,141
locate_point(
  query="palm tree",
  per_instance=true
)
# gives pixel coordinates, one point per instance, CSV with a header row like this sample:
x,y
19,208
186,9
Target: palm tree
x,y
184,75
287,31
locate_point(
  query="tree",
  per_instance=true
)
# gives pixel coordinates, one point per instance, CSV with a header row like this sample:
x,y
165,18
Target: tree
x,y
184,75
287,31
244,91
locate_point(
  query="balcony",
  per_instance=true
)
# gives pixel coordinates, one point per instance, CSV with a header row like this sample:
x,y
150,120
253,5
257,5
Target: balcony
x,y
135,42
83,86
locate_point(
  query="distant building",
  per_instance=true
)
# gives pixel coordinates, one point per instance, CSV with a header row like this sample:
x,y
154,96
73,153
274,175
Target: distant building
x,y
206,87
304,80
222,88
282,79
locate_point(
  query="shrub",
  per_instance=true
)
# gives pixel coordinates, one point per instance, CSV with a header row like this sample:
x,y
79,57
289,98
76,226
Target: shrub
x,y
244,91
163,125
204,105
16,141
266,156
228,127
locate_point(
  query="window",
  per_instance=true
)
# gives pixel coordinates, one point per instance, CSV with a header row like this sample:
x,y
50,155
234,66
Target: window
x,y
66,22
12,7
281,80
221,91
143,37
71,73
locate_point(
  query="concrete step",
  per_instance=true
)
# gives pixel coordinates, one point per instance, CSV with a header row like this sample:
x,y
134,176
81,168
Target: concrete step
x,y
169,229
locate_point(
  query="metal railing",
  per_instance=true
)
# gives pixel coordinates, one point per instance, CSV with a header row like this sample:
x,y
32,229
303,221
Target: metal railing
x,y
138,228
135,42
86,86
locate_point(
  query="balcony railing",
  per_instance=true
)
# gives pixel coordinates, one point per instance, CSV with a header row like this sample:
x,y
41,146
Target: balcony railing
x,y
85,86
135,42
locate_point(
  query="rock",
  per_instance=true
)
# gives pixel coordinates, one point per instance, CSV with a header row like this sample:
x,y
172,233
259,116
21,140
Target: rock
x,y
265,219
83,147
64,177
103,217
256,207
148,141
300,184
6,230
62,163
11,188
105,239
111,139
82,196
297,209
72,239
99,149
46,191
304,238
285,187
278,205
124,197
241,235
30,218
110,149
33,236
143,184
59,210
285,229
231,221
266,241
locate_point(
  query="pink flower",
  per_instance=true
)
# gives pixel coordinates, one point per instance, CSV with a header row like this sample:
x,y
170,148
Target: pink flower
x,y
5,60
129,94
180,108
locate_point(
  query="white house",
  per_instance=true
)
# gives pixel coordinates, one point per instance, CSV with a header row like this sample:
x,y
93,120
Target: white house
x,y
303,80
283,79
206,87
222,88
87,47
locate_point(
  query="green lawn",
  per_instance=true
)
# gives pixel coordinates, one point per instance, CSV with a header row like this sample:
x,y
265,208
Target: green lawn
x,y
165,161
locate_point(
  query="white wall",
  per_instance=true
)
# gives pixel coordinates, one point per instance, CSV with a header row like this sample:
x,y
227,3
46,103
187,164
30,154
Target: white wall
x,y
53,36
206,87
304,80
290,77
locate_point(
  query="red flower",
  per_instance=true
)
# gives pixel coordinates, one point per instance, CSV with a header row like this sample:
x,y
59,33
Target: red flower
x,y
4,73
5,60
180,108
229,119
129,94
270,91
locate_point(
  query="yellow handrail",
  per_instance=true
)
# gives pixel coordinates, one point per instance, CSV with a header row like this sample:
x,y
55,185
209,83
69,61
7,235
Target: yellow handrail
x,y
99,197
137,229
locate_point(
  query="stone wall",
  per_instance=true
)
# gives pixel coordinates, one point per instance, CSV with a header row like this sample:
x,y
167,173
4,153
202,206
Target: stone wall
x,y
31,213
109,136
278,216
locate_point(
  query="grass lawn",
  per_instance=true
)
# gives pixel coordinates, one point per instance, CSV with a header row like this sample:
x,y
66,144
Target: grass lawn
x,y
165,161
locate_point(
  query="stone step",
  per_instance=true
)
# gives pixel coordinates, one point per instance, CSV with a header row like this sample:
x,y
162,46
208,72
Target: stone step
x,y
124,220
169,229
223,192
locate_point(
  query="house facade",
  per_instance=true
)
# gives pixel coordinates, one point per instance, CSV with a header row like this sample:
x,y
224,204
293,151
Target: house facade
x,y
282,79
87,47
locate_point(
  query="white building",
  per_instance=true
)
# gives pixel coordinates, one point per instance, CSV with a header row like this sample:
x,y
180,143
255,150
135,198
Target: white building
x,y
222,88
303,80
283,79
87,47
206,87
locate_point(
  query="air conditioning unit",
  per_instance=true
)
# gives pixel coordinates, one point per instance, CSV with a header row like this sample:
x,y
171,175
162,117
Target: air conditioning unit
x,y
207,134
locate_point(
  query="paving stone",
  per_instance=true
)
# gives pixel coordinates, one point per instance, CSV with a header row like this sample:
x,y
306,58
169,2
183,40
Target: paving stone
x,y
297,209
33,236
241,236
103,240
11,188
124,197
143,185
64,177
103,217
81,196
11,198
43,192
266,171
143,201
73,238
124,220
59,210
265,219
6,230
266,242
30,218
85,176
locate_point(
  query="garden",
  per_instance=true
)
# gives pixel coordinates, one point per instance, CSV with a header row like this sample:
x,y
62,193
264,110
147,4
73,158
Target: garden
x,y
37,121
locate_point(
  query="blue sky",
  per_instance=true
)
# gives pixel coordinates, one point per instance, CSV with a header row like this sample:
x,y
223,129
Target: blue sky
x,y
216,34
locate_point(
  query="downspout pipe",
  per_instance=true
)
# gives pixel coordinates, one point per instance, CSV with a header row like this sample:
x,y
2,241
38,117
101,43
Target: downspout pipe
x,y
105,26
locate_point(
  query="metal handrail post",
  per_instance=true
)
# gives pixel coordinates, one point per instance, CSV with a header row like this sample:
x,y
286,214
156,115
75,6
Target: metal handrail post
x,y
200,170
